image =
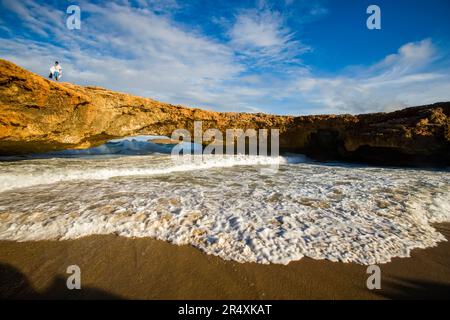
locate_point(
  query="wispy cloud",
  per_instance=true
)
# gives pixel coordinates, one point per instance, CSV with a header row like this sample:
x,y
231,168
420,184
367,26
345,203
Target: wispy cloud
x,y
263,36
39,18
164,6
400,79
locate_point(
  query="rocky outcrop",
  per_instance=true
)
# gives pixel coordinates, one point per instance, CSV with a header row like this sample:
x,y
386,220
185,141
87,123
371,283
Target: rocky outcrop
x,y
38,115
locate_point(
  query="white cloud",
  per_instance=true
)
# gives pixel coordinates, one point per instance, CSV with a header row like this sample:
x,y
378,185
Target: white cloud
x,y
263,36
398,80
38,18
165,6
259,30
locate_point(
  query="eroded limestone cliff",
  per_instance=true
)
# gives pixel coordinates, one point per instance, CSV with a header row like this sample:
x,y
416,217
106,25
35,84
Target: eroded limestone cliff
x,y
38,115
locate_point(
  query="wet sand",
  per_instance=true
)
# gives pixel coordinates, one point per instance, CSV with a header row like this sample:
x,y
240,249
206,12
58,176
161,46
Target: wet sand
x,y
123,268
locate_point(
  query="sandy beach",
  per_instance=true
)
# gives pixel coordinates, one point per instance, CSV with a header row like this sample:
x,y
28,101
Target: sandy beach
x,y
115,267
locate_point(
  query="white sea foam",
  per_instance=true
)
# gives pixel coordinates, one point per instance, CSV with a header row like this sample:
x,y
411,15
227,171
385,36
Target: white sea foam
x,y
46,171
228,208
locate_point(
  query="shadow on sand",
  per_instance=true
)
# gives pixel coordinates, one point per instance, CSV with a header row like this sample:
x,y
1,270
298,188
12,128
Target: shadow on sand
x,y
15,285
407,289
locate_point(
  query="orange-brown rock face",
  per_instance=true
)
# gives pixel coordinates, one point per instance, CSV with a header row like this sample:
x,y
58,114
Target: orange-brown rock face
x,y
38,115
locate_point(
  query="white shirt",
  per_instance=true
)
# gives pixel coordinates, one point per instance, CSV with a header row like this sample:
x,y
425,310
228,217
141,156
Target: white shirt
x,y
56,68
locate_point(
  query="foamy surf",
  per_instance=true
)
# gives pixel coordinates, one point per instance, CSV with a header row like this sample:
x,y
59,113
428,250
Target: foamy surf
x,y
228,208
36,172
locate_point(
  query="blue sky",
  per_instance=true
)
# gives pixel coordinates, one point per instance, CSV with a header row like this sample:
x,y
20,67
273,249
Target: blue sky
x,y
286,57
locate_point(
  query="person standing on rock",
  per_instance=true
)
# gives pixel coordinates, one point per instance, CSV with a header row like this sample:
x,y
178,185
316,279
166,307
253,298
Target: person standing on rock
x,y
56,71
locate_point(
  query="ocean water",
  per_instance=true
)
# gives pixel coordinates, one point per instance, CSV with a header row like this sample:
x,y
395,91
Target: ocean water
x,y
227,206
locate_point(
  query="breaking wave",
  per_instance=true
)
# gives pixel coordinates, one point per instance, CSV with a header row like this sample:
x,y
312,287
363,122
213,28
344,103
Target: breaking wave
x,y
36,172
